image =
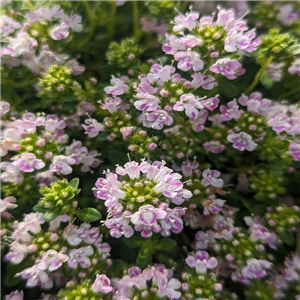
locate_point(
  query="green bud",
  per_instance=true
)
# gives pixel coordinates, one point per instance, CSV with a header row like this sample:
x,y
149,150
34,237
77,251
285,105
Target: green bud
x,y
82,291
267,186
124,54
276,45
57,198
56,85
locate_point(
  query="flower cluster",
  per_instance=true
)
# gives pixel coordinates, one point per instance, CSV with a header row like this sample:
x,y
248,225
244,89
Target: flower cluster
x,y
142,198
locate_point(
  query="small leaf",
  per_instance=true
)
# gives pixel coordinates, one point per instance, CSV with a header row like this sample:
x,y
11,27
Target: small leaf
x,y
287,237
266,80
39,208
51,215
133,242
17,5
294,50
277,166
260,209
227,88
69,95
144,258
117,265
88,214
166,244
46,102
74,183
102,136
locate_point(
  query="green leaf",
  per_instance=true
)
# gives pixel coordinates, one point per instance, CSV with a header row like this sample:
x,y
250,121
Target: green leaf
x,y
102,136
295,49
88,214
74,183
46,102
51,215
287,237
69,95
260,209
133,242
17,5
165,244
277,166
227,88
117,265
39,208
266,80
144,258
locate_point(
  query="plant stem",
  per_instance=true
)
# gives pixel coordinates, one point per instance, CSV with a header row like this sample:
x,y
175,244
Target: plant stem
x,y
92,24
257,76
136,21
184,6
113,19
298,240
29,5
20,84
291,92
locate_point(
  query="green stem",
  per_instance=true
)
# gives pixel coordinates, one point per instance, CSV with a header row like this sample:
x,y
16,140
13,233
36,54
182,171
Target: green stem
x,y
185,6
136,21
92,24
298,239
257,76
247,205
87,96
29,5
291,92
21,84
113,19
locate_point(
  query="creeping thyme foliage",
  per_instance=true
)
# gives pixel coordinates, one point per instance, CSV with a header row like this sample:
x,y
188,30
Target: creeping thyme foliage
x,y
193,107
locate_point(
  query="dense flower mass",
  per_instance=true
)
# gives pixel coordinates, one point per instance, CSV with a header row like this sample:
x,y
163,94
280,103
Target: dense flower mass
x,y
150,150
142,198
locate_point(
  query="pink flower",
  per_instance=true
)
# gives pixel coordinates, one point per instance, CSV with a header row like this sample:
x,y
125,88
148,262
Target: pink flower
x,y
4,108
101,284
230,68
7,203
181,22
241,141
188,59
15,295
93,127
207,82
21,45
118,86
210,177
61,164
80,256
256,268
60,32
201,261
295,151
232,112
190,103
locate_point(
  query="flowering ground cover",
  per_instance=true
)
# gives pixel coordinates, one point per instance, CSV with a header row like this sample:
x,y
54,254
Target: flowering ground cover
x,y
150,150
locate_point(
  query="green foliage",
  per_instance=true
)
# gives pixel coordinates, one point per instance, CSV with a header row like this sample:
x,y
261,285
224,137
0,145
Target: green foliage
x,y
58,199
124,54
275,44
82,291
56,86
165,9
267,186
88,214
